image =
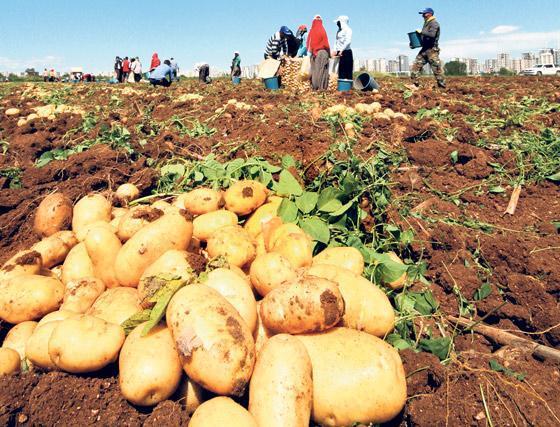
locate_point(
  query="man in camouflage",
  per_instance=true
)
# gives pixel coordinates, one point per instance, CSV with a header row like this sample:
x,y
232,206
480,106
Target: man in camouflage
x,y
429,54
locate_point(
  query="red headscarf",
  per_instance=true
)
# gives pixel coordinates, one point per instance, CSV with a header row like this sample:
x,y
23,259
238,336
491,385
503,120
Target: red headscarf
x,y
317,39
155,61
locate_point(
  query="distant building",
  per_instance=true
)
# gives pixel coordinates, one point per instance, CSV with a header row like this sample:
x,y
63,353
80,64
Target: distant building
x,y
503,61
556,54
546,57
404,66
490,66
393,66
517,65
473,67
528,60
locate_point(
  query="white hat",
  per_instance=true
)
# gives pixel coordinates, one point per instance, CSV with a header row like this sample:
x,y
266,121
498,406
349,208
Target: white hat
x,y
236,52
342,18
318,17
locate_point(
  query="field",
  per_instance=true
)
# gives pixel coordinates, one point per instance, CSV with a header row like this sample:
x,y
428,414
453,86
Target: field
x,y
432,185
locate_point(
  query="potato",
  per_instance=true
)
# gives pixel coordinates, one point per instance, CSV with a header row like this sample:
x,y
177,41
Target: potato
x,y
56,316
222,411
29,297
17,337
296,248
265,213
260,245
345,257
233,243
401,281
357,378
171,231
117,213
77,265
237,291
116,305
54,214
281,389
275,230
245,196
85,344
55,249
80,295
10,363
126,193
191,395
367,307
37,346
201,201
103,247
55,272
205,225
149,366
165,207
135,219
307,304
270,271
22,263
261,334
88,210
216,346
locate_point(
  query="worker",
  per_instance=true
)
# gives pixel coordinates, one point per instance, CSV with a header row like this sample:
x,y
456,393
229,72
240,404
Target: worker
x,y
318,47
343,49
175,68
236,65
277,45
203,72
155,62
136,68
45,75
118,69
158,77
125,69
429,54
300,36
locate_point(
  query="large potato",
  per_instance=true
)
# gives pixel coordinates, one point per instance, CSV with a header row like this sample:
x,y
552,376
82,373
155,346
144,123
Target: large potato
x,y
80,295
205,225
201,201
345,257
17,337
24,262
269,271
85,344
222,411
55,248
53,214
116,305
10,363
237,291
77,264
29,297
149,366
216,346
37,346
103,247
281,389
296,248
367,307
274,230
357,378
307,304
265,213
171,231
245,196
135,219
233,243
88,210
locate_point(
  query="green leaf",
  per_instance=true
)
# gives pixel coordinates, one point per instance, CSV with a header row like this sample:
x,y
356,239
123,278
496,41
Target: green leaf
x,y
424,302
328,200
454,156
555,177
316,228
162,298
496,366
388,270
288,162
399,343
441,347
288,211
307,201
344,208
332,205
288,185
483,292
497,189
136,319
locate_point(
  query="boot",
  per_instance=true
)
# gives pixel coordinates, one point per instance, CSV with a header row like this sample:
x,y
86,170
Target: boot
x,y
441,84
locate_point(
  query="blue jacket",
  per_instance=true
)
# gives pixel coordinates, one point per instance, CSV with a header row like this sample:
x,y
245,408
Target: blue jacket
x,y
161,72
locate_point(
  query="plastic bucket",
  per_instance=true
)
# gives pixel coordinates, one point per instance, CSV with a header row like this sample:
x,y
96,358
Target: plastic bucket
x,y
236,80
272,83
365,83
415,41
345,85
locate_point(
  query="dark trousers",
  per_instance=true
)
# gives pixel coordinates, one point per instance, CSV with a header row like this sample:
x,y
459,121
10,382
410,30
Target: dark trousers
x,y
346,65
125,75
162,82
137,77
119,75
203,74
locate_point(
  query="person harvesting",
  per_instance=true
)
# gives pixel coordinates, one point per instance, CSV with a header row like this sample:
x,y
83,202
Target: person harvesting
x,y
318,46
277,45
343,49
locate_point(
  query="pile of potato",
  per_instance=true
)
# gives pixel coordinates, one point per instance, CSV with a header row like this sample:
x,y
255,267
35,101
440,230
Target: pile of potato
x,y
49,112
254,311
291,75
236,105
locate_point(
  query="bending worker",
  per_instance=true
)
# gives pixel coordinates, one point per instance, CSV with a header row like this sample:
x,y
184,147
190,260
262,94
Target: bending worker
x,y
158,77
236,65
277,45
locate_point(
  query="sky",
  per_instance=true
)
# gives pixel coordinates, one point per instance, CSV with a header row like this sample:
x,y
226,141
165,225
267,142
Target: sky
x,y
68,33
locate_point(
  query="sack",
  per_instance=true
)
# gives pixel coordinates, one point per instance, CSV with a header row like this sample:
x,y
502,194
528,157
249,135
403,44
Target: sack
x,y
306,67
334,65
268,68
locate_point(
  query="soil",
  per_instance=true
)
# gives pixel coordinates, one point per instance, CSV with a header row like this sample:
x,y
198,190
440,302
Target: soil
x,y
461,231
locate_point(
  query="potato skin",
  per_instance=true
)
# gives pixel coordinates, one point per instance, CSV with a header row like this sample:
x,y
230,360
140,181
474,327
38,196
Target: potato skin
x,y
88,210
202,200
215,345
17,337
135,219
345,257
192,395
296,248
233,243
77,264
245,196
80,295
126,193
53,214
222,411
116,305
10,363
281,389
171,231
55,248
29,297
367,307
37,346
23,263
85,344
261,334
307,304
205,225
356,365
103,247
149,367
265,213
269,271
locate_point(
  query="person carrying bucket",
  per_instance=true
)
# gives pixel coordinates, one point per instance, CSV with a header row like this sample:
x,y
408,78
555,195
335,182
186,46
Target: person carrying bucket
x,y
318,46
236,65
278,44
343,49
429,54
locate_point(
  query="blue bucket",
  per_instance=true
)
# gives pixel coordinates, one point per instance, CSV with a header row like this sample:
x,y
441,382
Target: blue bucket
x,y
365,83
345,85
272,83
415,41
236,80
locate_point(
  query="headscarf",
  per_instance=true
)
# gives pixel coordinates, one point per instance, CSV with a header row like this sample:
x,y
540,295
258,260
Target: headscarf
x,y
317,39
155,61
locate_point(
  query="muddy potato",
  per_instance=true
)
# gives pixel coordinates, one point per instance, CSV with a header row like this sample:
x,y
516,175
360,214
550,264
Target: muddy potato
x,y
55,248
237,291
10,363
126,193
281,389
29,297
37,346
345,257
116,305
360,379
77,264
245,196
165,207
103,247
53,215
265,213
149,366
307,304
201,201
24,262
296,248
191,395
205,225
135,219
233,243
222,411
85,344
171,231
17,337
79,295
88,210
216,347
270,271
367,307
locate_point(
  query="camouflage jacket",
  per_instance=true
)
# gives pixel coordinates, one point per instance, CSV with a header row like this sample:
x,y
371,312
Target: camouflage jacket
x,y
430,34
